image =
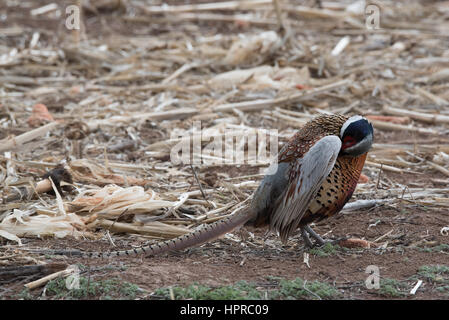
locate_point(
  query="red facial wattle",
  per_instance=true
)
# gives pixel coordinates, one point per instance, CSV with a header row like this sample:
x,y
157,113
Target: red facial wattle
x,y
348,142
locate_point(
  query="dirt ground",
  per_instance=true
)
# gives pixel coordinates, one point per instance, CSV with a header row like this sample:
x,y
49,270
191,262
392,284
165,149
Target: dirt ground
x,y
408,232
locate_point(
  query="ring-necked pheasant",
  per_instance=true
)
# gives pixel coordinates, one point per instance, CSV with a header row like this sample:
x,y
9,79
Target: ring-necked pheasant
x,y
315,175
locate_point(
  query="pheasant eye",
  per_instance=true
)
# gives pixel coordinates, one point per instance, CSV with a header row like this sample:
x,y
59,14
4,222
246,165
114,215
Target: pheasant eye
x,y
348,142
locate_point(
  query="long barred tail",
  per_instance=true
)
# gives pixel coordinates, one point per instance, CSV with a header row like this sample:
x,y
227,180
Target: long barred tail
x,y
206,233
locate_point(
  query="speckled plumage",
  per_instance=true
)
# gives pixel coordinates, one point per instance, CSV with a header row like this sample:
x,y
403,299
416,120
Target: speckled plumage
x,y
307,136
335,190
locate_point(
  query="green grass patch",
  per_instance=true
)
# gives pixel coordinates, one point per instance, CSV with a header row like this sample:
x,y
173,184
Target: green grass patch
x,y
300,289
392,288
239,291
439,248
242,290
101,289
326,250
25,294
443,289
435,273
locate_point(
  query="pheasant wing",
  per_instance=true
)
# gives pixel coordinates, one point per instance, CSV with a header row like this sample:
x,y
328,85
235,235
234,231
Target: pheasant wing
x,y
308,173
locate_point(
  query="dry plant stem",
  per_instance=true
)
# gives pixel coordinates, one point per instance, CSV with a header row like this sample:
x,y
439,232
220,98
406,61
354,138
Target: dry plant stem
x,y
44,280
199,183
16,142
315,12
154,116
362,204
43,186
20,271
432,97
378,177
416,287
421,116
270,103
292,120
398,127
403,148
278,11
213,17
180,71
437,167
230,5
385,167
383,236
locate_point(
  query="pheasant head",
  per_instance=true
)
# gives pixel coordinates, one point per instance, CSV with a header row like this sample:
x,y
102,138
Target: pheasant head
x,y
356,135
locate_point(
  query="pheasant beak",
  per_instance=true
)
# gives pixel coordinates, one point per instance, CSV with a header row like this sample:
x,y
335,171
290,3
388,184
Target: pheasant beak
x,y
360,147
348,142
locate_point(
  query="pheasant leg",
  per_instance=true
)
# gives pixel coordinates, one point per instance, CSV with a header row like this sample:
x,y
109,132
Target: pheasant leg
x,y
306,238
306,231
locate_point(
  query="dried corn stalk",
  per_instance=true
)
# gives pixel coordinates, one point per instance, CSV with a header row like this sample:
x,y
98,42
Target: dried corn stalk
x,y
111,201
21,223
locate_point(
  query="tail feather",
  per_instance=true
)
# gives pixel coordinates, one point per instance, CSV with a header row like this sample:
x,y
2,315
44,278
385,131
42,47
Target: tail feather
x,y
206,233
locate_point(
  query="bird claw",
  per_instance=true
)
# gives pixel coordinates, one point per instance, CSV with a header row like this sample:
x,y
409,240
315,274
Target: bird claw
x,y
307,230
318,244
337,241
308,242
